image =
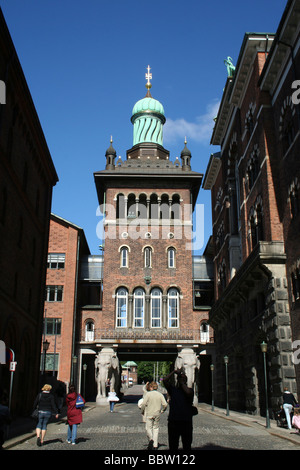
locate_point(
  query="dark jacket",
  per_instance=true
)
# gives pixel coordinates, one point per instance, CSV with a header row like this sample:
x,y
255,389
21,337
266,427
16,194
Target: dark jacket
x,y
45,402
289,398
180,405
74,415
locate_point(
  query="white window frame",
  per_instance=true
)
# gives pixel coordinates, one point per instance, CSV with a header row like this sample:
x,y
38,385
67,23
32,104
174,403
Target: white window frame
x,y
138,308
153,307
148,257
204,335
56,260
89,331
171,257
173,308
124,256
57,291
121,303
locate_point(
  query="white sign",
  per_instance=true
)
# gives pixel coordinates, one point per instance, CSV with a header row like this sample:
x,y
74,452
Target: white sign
x,y
12,366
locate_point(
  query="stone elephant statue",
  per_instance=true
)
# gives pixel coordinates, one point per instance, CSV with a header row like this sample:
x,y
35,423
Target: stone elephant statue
x,y
107,366
189,362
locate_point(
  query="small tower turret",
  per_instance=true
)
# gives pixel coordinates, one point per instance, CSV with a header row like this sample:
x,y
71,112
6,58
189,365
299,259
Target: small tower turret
x,y
186,158
110,157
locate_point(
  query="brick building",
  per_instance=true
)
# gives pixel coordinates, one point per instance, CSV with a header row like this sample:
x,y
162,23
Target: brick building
x,y
151,284
27,176
253,182
67,247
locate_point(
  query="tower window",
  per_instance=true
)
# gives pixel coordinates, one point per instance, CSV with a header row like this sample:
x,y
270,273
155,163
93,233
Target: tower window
x,y
124,257
156,301
171,257
173,308
121,307
148,257
138,308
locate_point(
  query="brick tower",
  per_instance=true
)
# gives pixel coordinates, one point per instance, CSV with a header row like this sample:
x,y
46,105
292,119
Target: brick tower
x,y
148,202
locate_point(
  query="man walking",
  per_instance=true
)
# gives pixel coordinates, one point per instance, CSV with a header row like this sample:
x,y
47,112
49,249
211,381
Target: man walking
x,y
153,405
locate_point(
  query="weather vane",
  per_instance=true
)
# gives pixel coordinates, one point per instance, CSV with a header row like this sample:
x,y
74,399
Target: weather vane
x,y
148,76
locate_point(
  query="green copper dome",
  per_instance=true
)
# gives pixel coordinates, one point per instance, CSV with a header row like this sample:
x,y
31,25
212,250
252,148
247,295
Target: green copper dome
x,y
148,118
148,104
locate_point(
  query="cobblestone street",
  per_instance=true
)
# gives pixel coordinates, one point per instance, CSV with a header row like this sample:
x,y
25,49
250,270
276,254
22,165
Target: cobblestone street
x,y
124,430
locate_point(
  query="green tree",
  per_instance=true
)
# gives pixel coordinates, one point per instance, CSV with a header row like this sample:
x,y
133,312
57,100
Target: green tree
x,y
146,370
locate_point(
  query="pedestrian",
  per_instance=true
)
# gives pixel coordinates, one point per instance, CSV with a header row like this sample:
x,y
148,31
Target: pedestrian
x,y
153,405
180,420
46,406
296,419
5,418
112,399
74,415
146,389
288,402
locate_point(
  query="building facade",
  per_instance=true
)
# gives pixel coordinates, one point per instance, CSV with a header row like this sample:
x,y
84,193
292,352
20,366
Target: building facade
x,y
155,295
67,247
255,235
27,177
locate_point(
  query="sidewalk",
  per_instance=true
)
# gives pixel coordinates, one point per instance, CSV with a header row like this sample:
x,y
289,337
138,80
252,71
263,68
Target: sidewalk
x,y
24,428
253,421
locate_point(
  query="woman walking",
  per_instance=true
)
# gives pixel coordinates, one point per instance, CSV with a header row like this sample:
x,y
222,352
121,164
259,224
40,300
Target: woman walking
x,y
74,415
112,399
46,407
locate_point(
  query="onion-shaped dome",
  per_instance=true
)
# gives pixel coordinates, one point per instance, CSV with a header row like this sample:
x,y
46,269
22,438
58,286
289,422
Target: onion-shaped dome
x,y
148,118
148,104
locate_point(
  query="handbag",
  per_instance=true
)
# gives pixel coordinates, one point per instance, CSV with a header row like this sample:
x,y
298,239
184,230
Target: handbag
x,y
194,410
35,413
79,401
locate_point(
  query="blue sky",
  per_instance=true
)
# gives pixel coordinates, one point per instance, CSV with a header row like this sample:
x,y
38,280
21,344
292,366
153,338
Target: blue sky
x,y
85,65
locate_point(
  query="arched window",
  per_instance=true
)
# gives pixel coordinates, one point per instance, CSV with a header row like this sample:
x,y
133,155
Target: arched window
x,y
173,308
138,308
164,207
148,257
120,206
124,257
204,332
154,208
142,206
131,206
121,307
156,308
89,331
176,209
171,257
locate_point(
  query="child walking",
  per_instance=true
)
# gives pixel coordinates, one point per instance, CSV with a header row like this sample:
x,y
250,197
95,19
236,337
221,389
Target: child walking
x,y
296,419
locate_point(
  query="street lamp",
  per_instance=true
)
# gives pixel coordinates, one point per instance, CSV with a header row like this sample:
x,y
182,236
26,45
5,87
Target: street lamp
x,y
84,377
46,345
74,362
226,372
212,368
264,348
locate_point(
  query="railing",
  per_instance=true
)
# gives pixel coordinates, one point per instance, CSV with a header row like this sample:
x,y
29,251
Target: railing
x,y
147,334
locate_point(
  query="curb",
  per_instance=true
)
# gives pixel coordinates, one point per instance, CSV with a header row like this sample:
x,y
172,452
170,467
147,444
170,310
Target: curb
x,y
245,421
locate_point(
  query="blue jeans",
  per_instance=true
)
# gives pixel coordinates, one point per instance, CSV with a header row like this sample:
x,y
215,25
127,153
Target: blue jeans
x,y
288,409
72,433
44,417
111,405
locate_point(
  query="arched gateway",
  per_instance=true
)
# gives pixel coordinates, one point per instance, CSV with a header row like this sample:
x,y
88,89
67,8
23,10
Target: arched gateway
x,y
148,304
